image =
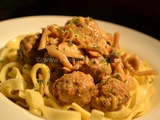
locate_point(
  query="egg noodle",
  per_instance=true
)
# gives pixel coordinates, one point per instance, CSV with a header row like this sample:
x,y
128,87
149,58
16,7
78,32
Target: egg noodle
x,y
19,81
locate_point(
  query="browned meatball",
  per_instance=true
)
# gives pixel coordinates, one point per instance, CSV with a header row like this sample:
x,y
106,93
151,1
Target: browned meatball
x,y
110,94
55,66
28,50
74,87
97,68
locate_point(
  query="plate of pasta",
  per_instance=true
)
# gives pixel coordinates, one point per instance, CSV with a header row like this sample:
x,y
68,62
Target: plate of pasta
x,y
77,68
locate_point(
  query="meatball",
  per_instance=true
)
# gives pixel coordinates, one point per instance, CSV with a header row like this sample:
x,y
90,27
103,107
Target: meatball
x,y
54,65
110,94
28,50
97,68
74,87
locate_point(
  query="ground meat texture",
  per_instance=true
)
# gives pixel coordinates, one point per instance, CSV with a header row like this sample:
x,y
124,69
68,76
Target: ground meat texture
x,y
56,70
74,87
127,79
28,50
54,65
97,68
110,94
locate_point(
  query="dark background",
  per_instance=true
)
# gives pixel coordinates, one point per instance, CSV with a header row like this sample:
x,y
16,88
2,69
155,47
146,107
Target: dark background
x,y
142,15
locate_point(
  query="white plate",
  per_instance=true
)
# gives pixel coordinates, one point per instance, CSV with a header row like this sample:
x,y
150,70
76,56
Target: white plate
x,y
143,45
